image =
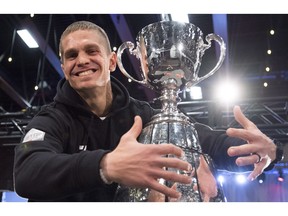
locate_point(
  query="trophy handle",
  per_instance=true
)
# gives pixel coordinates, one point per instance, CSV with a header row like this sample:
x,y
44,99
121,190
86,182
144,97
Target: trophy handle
x,y
222,45
134,52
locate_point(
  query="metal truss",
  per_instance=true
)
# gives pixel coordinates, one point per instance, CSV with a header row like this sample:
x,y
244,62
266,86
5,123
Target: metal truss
x,y
269,114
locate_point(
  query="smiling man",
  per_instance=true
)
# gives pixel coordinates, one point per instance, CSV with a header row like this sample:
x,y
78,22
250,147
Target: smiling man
x,y
87,62
82,145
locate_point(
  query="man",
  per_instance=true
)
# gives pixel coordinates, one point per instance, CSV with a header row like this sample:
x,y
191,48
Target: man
x,y
80,147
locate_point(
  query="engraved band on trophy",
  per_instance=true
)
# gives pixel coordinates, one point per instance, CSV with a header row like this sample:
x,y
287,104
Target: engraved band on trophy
x,y
170,54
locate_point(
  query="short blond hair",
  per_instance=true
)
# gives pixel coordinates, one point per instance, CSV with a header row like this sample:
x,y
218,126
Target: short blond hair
x,y
83,25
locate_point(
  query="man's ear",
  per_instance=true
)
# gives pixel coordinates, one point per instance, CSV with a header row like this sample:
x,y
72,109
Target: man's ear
x,y
62,67
113,62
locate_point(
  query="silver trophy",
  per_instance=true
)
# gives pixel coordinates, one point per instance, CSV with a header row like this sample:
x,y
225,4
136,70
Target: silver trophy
x,y
170,54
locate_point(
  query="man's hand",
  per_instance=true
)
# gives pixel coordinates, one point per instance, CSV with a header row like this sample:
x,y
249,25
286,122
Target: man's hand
x,y
207,182
257,144
141,165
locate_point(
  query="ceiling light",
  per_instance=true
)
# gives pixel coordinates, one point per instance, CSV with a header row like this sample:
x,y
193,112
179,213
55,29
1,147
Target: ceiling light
x,y
27,38
180,17
269,52
227,92
221,179
195,92
280,176
241,179
261,178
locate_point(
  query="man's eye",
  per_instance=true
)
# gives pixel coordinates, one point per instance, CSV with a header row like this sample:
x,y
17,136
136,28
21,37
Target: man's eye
x,y
71,56
93,51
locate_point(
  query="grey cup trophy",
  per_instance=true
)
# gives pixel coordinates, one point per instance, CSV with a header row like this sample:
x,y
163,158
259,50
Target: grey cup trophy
x,y
170,54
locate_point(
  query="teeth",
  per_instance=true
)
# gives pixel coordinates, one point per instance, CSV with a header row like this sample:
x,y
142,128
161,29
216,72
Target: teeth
x,y
85,73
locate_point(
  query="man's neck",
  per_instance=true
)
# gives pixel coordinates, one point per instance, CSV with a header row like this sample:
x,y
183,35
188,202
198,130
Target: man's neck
x,y
99,100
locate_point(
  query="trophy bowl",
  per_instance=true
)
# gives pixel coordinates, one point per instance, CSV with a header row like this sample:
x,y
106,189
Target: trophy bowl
x,y
170,54
170,49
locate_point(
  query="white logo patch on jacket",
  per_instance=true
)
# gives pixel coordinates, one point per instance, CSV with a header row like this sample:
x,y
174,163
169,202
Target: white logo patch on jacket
x,y
34,135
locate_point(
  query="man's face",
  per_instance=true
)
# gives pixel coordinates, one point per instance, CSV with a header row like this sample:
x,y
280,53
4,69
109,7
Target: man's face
x,y
86,61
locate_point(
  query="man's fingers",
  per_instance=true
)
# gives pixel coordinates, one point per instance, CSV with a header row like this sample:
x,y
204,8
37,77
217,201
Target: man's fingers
x,y
170,192
241,118
244,149
247,160
239,133
136,128
173,162
168,149
255,173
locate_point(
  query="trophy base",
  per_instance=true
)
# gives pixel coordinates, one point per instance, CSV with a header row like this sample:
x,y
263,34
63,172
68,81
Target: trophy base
x,y
178,130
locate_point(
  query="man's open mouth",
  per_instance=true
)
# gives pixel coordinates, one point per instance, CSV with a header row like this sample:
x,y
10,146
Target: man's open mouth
x,y
84,73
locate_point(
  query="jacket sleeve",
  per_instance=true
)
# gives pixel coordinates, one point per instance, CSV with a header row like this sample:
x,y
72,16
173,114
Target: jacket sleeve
x,y
215,143
43,172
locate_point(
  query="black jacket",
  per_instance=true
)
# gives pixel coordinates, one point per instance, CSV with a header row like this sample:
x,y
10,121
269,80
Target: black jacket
x,y
63,165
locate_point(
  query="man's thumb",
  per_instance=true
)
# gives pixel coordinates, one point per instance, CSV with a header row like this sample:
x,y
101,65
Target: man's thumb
x,y
136,128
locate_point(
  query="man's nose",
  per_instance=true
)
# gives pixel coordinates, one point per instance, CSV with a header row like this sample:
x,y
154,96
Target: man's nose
x,y
82,59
